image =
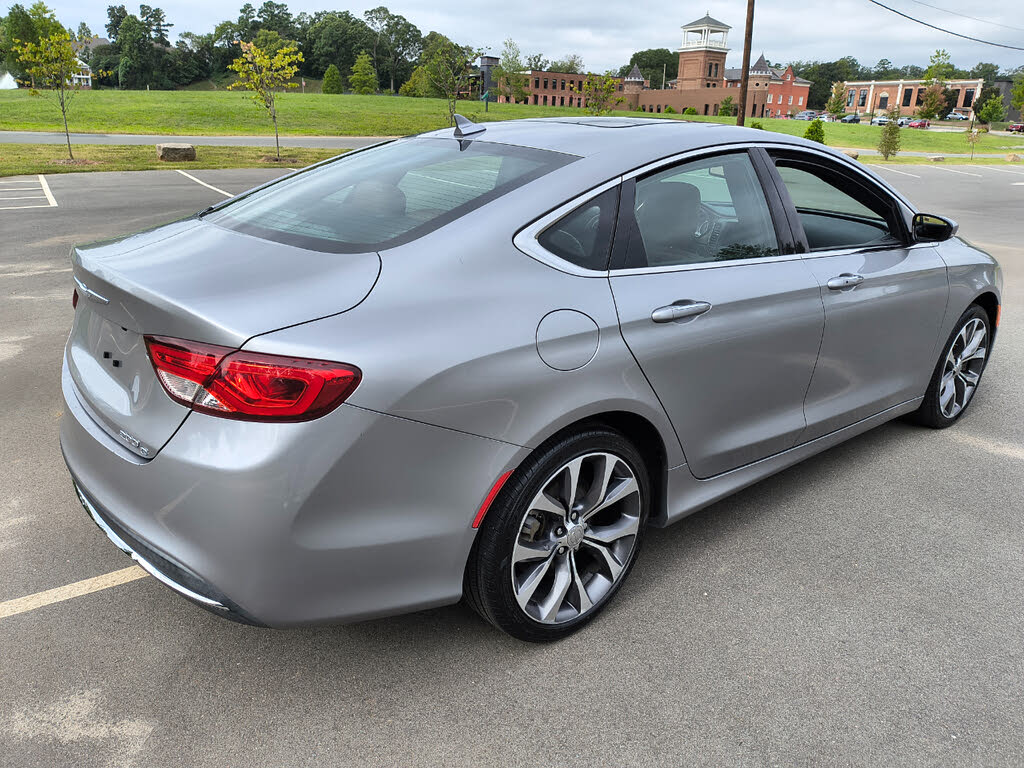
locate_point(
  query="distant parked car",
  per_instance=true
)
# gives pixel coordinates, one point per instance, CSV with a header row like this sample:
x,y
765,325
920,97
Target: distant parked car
x,y
903,122
850,119
881,120
1016,128
919,123
807,114
956,116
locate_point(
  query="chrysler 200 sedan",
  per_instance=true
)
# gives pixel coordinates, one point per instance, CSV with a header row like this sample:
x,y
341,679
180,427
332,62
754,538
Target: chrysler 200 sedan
x,y
480,362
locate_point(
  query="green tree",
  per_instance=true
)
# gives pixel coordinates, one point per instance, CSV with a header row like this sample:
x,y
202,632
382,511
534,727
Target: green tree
x,y
1017,93
116,14
933,102
884,70
815,131
418,85
396,43
136,65
571,64
336,37
537,61
22,25
512,81
727,107
889,141
50,63
836,104
940,68
448,67
363,78
156,22
599,94
332,80
84,33
263,76
653,64
690,111
992,110
276,17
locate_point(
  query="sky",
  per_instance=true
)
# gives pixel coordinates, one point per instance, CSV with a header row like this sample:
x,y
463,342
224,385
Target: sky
x,y
606,32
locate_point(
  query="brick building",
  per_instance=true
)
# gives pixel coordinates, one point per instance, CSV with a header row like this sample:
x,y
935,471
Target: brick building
x,y
703,80
787,93
877,96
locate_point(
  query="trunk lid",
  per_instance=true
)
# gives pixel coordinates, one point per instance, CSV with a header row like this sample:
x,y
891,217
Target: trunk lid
x,y
196,281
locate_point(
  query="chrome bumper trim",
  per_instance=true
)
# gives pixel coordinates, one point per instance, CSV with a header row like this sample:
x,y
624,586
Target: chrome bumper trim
x,y
144,564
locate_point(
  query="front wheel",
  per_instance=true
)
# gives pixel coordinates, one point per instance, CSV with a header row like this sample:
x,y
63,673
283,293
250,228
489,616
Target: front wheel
x,y
561,537
958,372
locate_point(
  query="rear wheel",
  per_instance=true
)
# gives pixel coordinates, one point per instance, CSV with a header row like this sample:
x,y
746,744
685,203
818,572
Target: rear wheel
x,y
561,537
958,372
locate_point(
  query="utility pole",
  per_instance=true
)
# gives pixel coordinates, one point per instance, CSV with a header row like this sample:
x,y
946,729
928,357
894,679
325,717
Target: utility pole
x,y
745,72
664,69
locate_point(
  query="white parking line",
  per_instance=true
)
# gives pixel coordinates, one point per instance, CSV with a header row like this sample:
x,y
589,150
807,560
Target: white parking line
x,y
887,168
69,591
13,189
953,170
199,181
1002,170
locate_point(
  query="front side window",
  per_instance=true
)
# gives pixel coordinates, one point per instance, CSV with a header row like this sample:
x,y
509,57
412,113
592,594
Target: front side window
x,y
863,97
584,237
707,210
835,210
384,196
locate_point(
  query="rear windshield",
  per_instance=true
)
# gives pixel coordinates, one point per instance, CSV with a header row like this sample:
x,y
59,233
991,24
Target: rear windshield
x,y
385,196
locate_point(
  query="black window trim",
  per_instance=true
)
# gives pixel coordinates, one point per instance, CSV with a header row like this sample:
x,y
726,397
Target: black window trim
x,y
896,209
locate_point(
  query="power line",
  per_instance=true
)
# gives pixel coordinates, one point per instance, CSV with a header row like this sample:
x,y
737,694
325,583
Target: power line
x,y
964,15
948,32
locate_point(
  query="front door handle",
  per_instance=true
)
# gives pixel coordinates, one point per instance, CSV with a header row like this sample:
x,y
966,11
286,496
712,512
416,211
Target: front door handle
x,y
679,310
844,281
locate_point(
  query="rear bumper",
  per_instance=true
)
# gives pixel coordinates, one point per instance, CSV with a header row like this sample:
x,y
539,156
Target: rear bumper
x,y
348,517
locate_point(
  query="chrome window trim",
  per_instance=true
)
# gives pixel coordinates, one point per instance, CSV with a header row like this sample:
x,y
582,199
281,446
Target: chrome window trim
x,y
526,239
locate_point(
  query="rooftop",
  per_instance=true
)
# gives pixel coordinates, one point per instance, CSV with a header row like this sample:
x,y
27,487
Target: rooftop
x,y
706,21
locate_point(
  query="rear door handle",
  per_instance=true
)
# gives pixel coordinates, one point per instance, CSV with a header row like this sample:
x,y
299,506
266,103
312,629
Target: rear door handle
x,y
845,280
679,310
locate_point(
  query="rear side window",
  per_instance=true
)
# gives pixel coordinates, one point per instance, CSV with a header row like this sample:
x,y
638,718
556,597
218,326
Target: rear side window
x,y
385,196
584,237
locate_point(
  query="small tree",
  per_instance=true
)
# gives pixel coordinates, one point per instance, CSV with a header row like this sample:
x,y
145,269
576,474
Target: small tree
x,y
599,94
727,107
933,103
512,80
332,80
1017,93
889,143
264,75
815,131
836,104
690,111
51,63
993,110
363,78
447,68
973,137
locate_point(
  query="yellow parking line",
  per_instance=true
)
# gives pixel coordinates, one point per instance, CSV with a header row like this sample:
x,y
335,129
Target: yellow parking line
x,y
69,591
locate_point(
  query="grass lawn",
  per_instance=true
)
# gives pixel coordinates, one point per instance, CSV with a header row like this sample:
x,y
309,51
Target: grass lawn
x,y
20,159
226,113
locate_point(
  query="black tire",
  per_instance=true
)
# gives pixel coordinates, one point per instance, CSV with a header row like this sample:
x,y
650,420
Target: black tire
x,y
488,583
929,413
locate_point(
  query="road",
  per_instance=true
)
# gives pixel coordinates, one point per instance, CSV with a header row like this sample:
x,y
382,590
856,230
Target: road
x,y
862,608
328,142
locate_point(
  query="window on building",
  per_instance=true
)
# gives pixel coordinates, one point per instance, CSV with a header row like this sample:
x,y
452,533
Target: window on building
x,y
956,96
563,86
535,98
790,99
706,106
536,82
716,69
968,97
908,94
707,85
714,109
920,96
545,82
714,85
850,97
863,97
834,212
545,100
769,98
709,69
669,206
800,101
883,101
561,101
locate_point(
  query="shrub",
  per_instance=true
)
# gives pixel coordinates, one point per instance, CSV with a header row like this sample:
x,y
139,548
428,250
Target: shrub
x,y
332,80
758,124
815,131
889,143
669,110
363,78
690,111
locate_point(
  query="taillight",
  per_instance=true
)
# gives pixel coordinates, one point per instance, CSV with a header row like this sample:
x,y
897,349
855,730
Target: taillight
x,y
248,385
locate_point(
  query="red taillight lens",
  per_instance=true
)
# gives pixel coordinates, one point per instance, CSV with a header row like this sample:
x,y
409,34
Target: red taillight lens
x,y
249,385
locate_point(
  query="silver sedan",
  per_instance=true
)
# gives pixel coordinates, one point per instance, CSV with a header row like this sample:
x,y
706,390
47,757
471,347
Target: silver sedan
x,y
481,362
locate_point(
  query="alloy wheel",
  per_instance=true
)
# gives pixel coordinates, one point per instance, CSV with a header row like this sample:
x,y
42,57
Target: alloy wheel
x,y
576,538
962,368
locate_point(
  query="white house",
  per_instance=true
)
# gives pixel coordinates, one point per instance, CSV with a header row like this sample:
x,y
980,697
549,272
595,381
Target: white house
x,y
82,78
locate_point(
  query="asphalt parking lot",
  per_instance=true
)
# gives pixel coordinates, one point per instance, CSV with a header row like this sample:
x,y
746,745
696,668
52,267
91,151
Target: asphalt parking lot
x,y
862,608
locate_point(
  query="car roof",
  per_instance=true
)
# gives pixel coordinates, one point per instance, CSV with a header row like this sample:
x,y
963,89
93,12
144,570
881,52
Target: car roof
x,y
640,138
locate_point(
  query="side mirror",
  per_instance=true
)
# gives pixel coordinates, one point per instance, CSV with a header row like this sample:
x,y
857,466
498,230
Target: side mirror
x,y
929,228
